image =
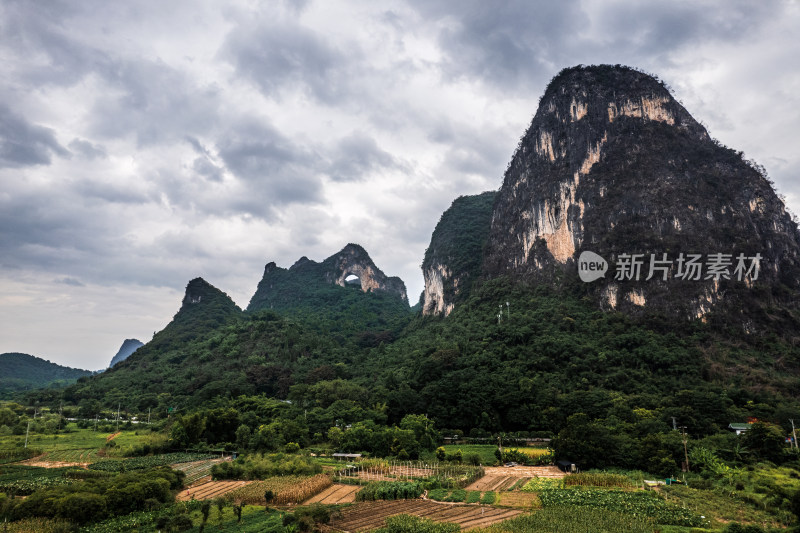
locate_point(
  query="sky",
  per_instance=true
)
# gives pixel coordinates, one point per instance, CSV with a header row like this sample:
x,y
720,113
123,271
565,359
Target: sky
x,y
146,143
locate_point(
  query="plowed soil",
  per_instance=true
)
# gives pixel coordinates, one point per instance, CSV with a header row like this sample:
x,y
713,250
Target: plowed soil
x,y
367,516
336,493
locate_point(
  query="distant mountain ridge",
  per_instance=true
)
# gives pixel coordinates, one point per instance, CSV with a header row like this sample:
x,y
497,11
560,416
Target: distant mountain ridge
x,y
20,372
127,348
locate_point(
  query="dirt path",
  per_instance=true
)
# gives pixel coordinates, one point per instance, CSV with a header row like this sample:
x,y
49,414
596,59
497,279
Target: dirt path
x,y
113,436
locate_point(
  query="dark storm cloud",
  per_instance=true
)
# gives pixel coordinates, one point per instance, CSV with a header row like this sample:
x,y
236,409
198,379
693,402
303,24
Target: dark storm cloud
x,y
24,144
49,229
154,101
515,44
357,156
656,28
503,44
41,31
287,57
273,169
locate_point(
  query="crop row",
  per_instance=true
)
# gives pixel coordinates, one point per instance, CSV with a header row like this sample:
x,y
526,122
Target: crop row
x,y
285,489
80,455
148,461
196,469
637,504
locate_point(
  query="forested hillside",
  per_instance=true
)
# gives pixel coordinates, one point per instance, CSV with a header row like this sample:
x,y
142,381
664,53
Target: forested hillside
x,y
19,372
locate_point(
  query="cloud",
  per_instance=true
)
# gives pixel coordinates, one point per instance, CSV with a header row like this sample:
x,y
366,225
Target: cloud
x,y
87,149
279,58
357,156
24,144
70,281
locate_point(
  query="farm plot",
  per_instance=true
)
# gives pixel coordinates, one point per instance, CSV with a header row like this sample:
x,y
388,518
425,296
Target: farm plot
x,y
210,490
495,483
372,515
60,458
147,461
285,489
526,471
517,499
336,493
197,470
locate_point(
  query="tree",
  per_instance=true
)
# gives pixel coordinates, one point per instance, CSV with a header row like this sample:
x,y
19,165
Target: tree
x,y
765,441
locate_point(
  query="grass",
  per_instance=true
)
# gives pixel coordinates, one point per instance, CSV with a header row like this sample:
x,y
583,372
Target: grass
x,y
722,507
76,438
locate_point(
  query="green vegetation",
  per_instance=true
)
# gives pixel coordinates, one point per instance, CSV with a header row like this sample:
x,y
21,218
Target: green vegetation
x,y
488,498
458,240
566,519
21,372
94,499
263,466
389,490
413,524
637,503
150,461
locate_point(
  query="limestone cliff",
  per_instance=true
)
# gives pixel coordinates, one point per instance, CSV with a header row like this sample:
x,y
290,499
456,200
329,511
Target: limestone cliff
x,y
300,284
613,164
453,258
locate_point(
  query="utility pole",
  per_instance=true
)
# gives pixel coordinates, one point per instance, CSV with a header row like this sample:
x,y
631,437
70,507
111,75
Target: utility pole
x,y
148,415
118,406
26,433
794,435
685,452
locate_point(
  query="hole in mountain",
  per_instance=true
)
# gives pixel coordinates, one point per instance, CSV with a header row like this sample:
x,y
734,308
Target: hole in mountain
x,y
352,281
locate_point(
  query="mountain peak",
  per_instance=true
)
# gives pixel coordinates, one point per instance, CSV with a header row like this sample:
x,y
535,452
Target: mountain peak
x,y
305,274
613,164
125,351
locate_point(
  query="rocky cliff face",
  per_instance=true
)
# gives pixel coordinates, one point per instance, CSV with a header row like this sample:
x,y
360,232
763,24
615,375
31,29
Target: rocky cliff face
x,y
282,287
612,164
453,258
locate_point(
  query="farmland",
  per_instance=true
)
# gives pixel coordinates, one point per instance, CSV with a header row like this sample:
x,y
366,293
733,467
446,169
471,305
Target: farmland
x,y
460,475
147,461
486,452
335,494
197,470
210,490
286,489
372,515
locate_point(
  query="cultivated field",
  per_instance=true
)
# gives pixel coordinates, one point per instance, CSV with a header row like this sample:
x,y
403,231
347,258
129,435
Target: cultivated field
x,y
210,490
197,471
285,489
336,493
367,516
504,479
